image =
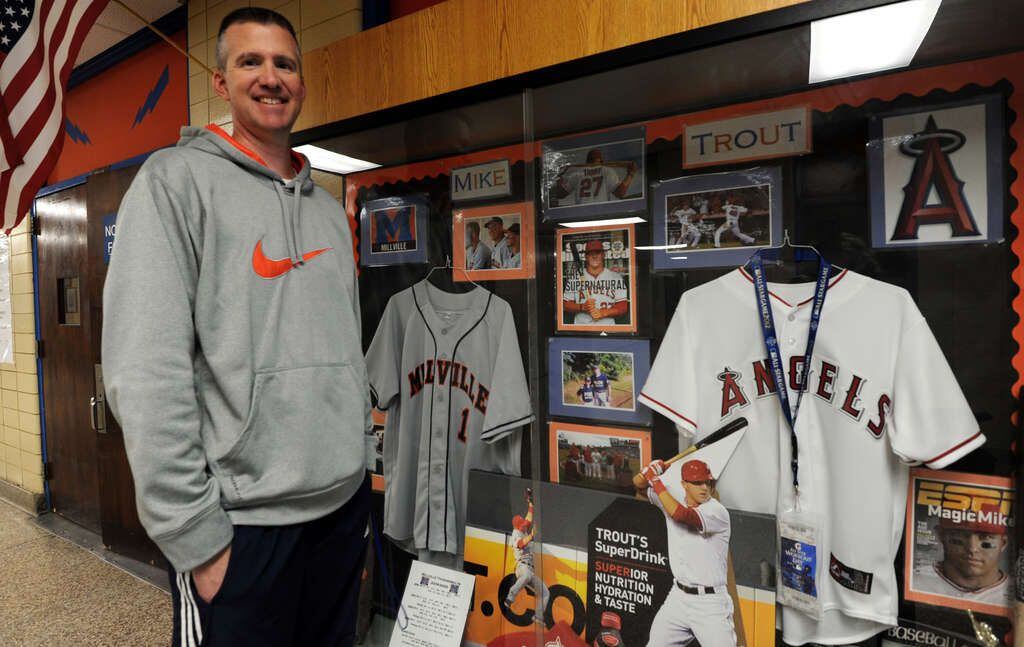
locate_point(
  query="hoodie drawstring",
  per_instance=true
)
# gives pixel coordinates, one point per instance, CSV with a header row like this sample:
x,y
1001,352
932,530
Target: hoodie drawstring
x,y
296,223
288,224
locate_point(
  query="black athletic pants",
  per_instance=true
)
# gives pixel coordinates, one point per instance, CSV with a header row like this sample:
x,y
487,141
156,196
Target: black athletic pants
x,y
285,585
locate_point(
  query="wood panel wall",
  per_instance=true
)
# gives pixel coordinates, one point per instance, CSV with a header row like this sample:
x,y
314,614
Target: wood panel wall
x,y
463,43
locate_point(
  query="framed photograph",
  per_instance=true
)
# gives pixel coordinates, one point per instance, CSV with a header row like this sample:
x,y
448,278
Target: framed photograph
x,y
596,279
594,175
959,534
393,231
377,474
602,458
494,243
718,219
936,174
598,378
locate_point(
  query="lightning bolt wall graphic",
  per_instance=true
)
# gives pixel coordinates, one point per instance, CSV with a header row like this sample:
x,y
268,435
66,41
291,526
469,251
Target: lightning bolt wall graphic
x,y
153,97
75,133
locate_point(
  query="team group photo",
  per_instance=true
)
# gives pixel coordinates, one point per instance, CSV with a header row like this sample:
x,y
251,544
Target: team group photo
x,y
598,457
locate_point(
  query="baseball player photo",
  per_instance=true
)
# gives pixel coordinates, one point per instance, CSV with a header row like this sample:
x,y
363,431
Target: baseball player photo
x,y
594,174
596,279
494,242
734,217
959,543
698,606
593,379
523,532
595,180
600,458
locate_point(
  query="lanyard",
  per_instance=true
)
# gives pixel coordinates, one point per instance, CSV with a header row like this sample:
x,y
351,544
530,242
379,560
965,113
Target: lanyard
x,y
771,343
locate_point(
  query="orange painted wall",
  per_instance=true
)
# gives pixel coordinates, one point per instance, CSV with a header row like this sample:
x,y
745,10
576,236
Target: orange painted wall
x,y
106,106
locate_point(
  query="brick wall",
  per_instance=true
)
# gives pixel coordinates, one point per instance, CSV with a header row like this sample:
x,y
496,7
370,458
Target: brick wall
x,y
21,463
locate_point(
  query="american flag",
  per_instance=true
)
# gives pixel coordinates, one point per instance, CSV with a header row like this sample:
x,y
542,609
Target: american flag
x,y
39,42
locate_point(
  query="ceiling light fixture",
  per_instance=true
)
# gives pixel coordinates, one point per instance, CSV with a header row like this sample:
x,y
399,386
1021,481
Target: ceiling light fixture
x,y
868,41
325,160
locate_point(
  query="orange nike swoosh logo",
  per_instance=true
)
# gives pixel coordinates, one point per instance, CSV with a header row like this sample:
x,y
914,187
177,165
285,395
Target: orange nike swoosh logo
x,y
270,268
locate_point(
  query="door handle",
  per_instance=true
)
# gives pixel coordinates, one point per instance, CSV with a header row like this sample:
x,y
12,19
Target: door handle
x,y
97,415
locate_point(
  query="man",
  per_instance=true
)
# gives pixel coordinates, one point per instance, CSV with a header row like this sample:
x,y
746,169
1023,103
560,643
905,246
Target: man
x,y
599,296
500,252
522,537
585,394
233,362
514,258
969,568
601,386
699,605
689,234
593,182
478,255
732,211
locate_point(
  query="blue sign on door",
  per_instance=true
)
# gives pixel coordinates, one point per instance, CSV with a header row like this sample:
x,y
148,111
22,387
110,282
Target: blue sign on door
x,y
109,231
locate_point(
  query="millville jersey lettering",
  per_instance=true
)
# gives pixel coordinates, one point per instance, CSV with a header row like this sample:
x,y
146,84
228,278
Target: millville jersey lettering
x,y
880,396
448,370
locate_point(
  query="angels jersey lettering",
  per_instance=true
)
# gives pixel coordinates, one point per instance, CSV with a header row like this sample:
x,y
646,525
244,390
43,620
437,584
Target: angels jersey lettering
x,y
880,395
448,370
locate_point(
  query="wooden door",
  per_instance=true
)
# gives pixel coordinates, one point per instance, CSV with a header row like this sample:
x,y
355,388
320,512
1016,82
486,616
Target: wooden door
x,y
121,529
67,360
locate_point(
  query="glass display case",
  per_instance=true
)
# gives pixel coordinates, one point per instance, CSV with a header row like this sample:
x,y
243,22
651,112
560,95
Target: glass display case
x,y
580,299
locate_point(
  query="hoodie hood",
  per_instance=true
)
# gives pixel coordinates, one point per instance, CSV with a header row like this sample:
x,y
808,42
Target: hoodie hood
x,y
215,140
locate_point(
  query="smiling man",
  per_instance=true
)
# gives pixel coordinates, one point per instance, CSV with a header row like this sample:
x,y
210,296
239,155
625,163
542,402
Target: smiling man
x,y
233,361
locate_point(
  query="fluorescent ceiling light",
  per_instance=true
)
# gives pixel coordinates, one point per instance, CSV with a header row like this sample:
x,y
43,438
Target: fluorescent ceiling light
x,y
613,221
872,40
665,248
325,160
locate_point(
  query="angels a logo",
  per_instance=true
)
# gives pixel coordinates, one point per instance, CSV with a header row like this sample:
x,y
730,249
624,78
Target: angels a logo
x,y
732,392
933,169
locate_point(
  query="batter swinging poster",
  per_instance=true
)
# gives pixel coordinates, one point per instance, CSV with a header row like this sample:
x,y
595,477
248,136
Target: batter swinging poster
x,y
596,279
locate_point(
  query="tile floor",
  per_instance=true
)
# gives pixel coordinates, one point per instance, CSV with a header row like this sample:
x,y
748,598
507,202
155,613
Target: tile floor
x,y
55,593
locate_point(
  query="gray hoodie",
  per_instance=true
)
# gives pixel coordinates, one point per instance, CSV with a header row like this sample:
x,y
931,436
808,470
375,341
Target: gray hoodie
x,y
234,367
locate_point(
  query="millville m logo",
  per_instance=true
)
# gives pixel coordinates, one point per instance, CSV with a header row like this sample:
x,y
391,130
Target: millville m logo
x,y
933,170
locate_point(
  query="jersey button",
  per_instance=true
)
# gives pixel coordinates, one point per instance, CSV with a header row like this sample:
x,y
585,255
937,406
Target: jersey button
x,y
792,341
444,331
792,316
440,398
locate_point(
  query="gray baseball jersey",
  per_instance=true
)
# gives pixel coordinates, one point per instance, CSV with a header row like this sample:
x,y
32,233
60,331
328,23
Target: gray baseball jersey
x,y
447,368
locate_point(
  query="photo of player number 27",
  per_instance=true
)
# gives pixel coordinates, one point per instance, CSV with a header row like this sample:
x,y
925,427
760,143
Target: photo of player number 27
x,y
596,279
594,175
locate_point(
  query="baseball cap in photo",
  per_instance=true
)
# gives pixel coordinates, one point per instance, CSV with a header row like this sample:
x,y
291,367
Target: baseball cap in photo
x,y
514,228
594,246
494,221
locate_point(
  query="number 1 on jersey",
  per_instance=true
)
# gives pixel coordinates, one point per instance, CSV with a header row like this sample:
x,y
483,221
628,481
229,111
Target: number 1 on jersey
x,y
462,427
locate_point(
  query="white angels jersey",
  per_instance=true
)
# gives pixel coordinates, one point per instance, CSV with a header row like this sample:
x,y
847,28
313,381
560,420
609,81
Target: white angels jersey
x,y
733,212
448,370
880,396
589,184
522,555
698,557
606,289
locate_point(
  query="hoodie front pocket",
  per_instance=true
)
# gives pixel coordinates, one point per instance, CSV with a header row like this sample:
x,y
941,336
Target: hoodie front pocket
x,y
304,435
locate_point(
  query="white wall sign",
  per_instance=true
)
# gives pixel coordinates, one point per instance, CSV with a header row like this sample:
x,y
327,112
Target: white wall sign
x,y
751,137
482,181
